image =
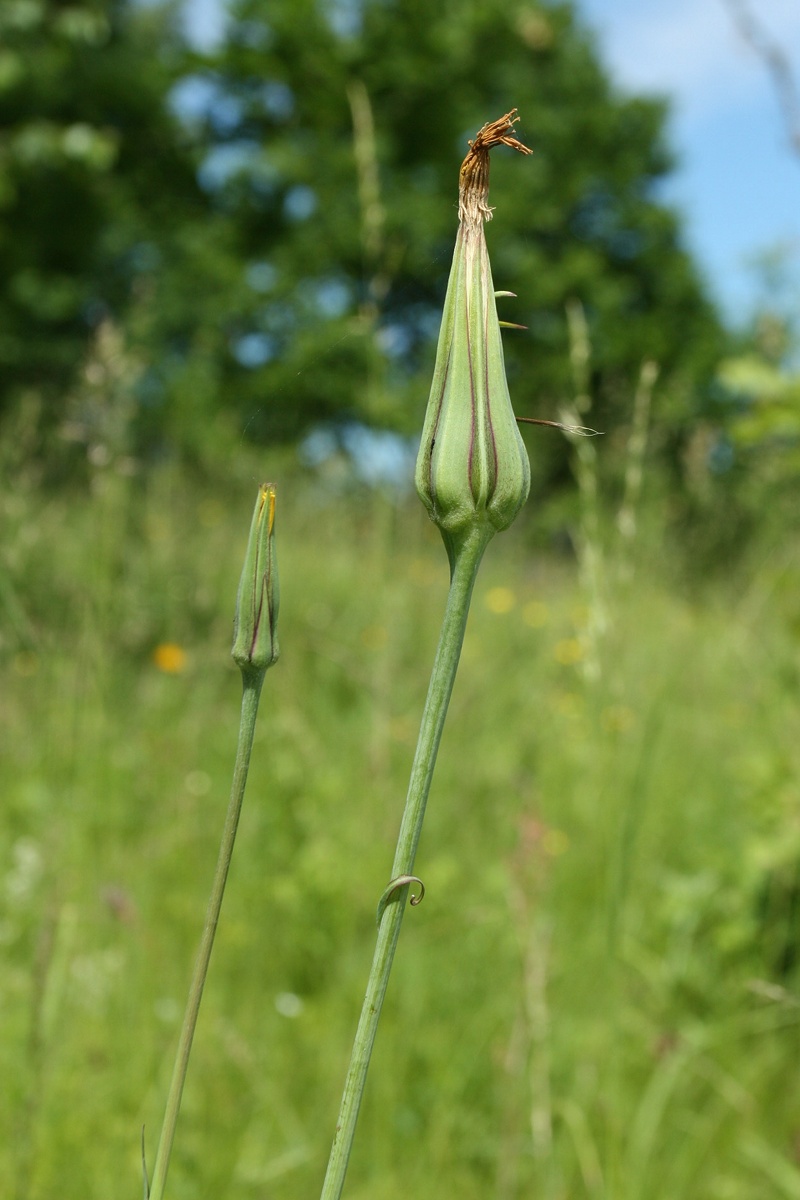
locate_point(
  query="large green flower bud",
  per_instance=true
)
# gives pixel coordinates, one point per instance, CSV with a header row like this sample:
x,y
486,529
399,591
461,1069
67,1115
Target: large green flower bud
x,y
472,470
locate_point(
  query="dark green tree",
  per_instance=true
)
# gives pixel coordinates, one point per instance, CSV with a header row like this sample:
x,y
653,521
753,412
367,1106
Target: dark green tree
x,y
272,225
97,184
335,132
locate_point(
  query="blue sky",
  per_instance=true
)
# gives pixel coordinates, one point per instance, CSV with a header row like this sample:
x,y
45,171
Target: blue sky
x,y
738,182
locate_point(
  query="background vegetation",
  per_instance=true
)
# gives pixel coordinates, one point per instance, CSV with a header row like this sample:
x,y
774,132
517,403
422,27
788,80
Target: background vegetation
x,y
218,269
273,223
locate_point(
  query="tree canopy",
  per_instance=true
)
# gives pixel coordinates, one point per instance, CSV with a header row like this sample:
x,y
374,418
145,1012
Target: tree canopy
x,y
273,223
94,174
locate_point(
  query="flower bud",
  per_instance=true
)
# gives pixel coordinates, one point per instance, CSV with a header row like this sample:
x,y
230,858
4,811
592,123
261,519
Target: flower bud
x,y
255,643
472,470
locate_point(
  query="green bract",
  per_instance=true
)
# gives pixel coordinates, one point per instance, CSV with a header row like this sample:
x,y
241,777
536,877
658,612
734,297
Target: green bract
x,y
472,465
472,470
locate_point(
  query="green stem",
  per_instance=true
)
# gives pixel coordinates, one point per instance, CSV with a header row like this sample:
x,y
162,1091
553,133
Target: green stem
x,y
465,563
252,681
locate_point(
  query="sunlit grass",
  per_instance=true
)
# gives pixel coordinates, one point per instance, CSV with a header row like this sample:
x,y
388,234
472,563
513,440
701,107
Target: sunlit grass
x,y
609,1008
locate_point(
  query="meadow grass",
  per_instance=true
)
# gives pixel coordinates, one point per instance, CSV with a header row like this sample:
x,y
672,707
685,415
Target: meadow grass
x,y
597,996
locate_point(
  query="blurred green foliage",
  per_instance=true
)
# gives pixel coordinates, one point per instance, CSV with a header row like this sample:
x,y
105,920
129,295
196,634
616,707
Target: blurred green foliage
x,y
337,140
762,390
599,993
94,180
270,225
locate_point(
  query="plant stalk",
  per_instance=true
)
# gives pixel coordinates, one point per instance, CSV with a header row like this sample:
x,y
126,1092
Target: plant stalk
x,y
251,692
465,562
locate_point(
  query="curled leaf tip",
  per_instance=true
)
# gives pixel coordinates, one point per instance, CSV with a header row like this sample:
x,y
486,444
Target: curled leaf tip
x,y
394,887
473,191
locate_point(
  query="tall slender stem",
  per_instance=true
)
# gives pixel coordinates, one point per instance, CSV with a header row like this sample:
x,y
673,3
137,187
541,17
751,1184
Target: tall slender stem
x,y
252,682
466,561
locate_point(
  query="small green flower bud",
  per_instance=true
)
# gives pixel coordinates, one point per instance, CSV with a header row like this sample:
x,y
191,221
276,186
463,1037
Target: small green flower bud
x,y
472,470
255,643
